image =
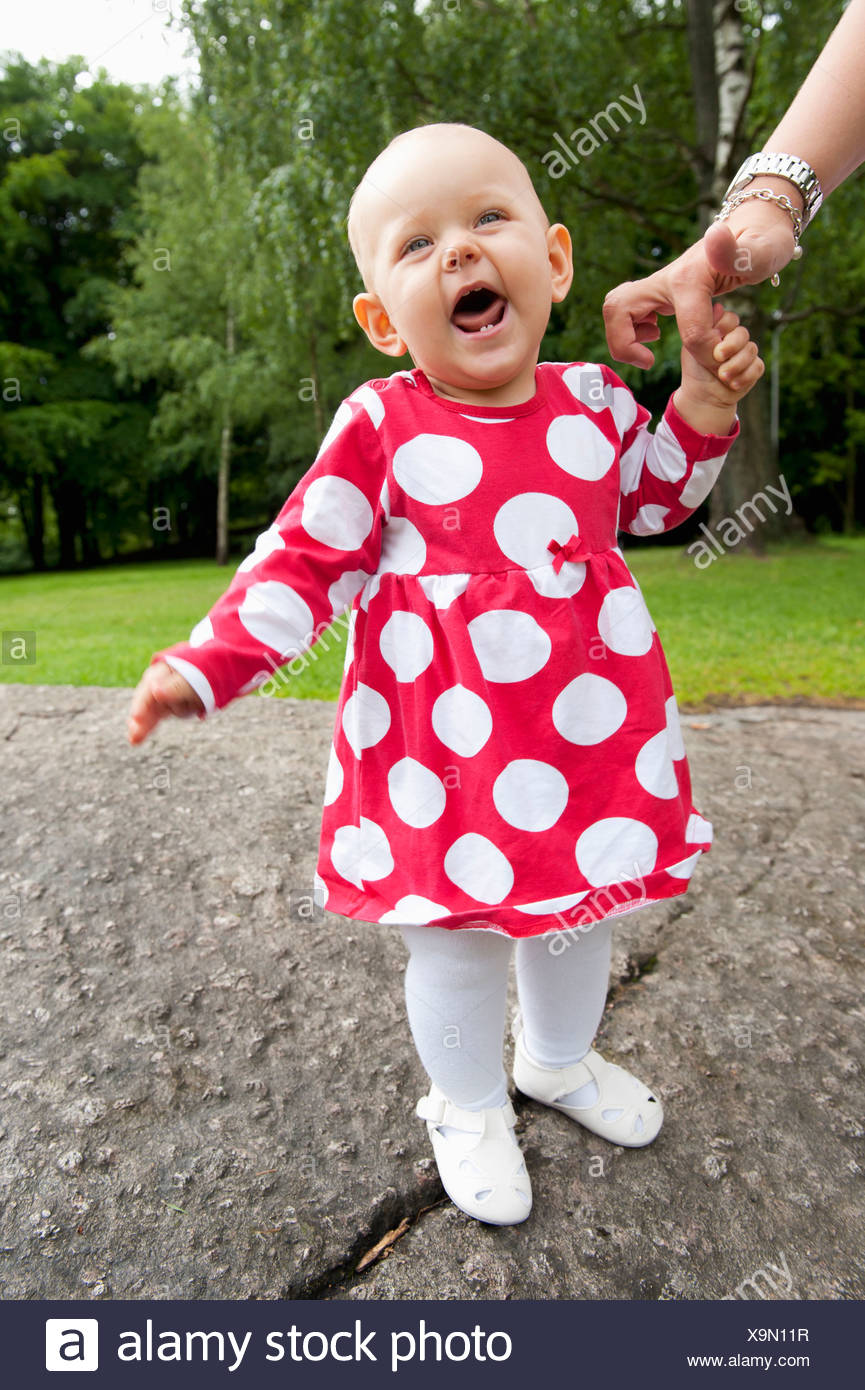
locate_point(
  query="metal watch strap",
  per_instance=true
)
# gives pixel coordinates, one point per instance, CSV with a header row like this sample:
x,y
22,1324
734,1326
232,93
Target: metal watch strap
x,y
782,166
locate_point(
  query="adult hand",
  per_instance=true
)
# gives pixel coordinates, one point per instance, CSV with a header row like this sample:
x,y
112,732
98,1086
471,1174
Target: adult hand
x,y
752,245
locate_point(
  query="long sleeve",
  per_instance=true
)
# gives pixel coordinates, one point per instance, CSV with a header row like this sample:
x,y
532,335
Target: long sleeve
x,y
665,474
305,569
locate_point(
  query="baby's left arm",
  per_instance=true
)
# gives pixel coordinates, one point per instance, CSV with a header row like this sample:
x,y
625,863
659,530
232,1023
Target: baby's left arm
x,y
707,399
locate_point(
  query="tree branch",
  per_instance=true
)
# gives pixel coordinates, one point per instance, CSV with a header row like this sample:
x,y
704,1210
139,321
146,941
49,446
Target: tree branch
x,y
821,309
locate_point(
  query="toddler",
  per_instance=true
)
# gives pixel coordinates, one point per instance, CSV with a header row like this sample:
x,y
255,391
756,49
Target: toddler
x,y
507,764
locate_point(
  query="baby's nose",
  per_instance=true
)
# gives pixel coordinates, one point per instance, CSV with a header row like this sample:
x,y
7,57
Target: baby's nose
x,y
455,255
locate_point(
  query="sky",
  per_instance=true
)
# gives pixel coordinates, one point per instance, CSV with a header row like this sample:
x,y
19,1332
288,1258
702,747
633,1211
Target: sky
x,y
133,39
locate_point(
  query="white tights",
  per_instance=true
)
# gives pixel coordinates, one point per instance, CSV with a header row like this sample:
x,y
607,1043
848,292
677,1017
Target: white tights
x,y
456,990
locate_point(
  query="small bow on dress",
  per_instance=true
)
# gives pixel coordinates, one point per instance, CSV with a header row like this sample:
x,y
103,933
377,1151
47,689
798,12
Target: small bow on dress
x,y
574,549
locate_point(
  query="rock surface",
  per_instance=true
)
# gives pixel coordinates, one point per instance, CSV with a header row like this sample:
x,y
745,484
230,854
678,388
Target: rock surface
x,y
207,1085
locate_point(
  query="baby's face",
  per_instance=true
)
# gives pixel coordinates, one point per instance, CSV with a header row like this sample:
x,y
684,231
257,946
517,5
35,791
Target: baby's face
x,y
460,264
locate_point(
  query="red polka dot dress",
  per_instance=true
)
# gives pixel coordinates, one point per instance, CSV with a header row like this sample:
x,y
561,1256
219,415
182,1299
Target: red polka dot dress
x,y
507,750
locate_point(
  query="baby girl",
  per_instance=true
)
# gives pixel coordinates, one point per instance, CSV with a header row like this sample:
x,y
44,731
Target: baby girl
x,y
507,764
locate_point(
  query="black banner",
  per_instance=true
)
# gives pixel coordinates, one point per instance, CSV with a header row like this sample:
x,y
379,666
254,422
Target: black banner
x,y
357,1343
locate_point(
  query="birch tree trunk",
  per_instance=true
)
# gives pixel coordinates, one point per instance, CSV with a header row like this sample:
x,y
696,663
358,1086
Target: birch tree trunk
x,y
224,456
722,83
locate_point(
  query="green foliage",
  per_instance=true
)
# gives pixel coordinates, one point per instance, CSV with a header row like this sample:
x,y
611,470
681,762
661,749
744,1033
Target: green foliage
x,y
68,161
199,245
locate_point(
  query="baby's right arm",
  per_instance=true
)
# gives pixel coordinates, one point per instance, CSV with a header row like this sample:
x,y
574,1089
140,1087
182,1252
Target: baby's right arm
x,y
160,692
306,568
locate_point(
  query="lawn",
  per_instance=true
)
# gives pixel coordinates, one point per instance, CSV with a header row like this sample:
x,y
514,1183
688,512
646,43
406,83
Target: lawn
x,y
790,626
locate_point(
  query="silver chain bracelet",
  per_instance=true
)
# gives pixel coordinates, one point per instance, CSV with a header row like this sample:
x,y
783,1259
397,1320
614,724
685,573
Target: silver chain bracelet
x,y
766,196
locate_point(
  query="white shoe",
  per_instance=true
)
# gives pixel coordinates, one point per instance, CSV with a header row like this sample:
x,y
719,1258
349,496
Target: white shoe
x,y
622,1109
481,1166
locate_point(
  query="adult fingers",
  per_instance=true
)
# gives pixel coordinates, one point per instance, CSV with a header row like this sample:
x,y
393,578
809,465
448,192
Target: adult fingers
x,y
631,319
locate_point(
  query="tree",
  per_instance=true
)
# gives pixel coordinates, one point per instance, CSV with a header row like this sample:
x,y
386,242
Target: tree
x,y
738,98
68,161
177,323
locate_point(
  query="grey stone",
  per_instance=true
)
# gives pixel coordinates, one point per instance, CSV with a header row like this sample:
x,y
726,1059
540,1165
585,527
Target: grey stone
x,y
207,1086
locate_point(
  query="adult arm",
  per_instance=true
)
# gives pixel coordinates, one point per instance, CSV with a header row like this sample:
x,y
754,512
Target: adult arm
x,y
825,126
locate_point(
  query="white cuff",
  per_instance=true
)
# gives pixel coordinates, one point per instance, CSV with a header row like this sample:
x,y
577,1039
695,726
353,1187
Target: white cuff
x,y
199,682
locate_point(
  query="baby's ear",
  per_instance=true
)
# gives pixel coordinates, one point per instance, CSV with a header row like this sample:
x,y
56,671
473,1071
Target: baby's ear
x,y
561,260
373,319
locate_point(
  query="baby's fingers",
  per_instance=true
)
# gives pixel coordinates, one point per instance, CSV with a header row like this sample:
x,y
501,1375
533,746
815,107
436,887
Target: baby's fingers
x,y
732,343
743,368
160,692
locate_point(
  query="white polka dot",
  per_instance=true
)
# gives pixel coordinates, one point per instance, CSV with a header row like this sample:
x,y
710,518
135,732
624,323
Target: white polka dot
x,y
442,589
437,469
674,729
636,584
701,481
384,500
333,785
562,583
338,424
361,852
320,892
416,794
578,446
462,720
414,911
406,644
550,905
589,709
269,541
624,623
526,523
201,633
365,719
530,795
403,548
476,866
698,830
685,867
342,591
336,513
631,465
624,409
349,640
654,767
649,520
615,850
586,383
665,457
371,402
509,644
277,617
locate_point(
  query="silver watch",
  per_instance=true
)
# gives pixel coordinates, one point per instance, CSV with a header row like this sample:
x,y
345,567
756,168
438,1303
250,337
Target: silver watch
x,y
782,166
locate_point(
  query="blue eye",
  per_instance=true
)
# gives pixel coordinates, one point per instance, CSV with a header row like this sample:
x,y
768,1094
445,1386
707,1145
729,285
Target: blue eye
x,y
493,212
414,243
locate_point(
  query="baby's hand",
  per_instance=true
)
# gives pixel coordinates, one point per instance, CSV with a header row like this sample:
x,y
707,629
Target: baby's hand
x,y
739,365
160,692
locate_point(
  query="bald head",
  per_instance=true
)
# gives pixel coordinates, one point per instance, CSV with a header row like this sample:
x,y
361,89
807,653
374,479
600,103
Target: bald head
x,y
401,179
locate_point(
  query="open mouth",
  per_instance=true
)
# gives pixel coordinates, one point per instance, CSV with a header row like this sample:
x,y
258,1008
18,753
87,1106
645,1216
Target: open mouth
x,y
478,310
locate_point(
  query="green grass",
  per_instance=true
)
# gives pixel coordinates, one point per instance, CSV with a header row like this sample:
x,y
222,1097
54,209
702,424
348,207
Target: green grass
x,y
787,627
743,629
